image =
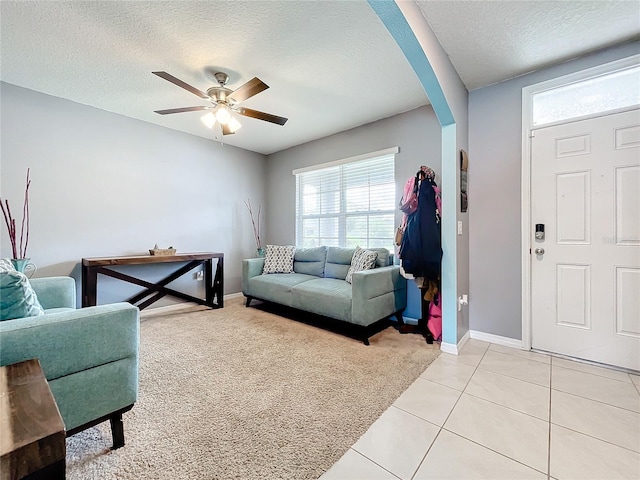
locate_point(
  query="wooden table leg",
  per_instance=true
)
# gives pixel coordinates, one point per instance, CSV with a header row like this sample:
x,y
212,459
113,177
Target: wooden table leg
x,y
89,286
218,282
208,282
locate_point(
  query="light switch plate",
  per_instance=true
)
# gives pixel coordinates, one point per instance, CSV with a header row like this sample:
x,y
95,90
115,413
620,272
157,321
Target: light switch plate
x,y
459,227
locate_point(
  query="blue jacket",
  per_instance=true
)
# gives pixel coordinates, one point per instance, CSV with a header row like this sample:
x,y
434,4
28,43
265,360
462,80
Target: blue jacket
x,y
421,248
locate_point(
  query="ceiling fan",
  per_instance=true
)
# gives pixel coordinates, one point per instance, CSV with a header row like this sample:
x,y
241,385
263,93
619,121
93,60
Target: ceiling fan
x,y
224,102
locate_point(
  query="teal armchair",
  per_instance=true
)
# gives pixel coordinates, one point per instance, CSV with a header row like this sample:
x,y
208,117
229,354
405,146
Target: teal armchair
x,y
89,356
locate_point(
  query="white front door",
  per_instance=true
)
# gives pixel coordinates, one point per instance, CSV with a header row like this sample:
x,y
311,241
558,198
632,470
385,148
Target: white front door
x,y
585,287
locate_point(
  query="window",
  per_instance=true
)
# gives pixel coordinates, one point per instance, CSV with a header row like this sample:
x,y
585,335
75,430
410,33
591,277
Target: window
x,y
347,203
610,91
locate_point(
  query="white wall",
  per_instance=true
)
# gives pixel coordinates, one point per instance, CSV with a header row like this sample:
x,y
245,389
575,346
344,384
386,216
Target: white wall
x,y
495,131
416,132
104,185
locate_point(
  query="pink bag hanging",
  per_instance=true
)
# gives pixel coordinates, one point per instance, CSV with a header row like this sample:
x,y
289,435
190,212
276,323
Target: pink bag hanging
x,y
409,200
435,318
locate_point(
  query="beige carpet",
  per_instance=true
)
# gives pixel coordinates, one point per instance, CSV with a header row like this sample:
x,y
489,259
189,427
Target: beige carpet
x,y
242,393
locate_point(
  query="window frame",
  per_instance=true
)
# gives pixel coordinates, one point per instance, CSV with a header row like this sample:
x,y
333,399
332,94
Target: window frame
x,y
342,215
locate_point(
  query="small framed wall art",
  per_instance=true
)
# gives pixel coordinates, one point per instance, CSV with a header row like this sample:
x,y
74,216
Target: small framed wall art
x,y
464,165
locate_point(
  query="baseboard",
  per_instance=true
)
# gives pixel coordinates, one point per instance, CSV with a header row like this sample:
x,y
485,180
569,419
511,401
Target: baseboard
x,y
167,309
497,339
233,295
454,349
176,307
449,348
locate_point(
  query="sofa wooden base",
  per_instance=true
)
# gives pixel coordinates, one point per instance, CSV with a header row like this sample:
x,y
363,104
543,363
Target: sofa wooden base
x,y
347,329
117,428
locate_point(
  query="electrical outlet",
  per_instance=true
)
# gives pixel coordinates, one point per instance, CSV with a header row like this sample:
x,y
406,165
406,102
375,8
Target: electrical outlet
x,y
459,227
462,300
199,276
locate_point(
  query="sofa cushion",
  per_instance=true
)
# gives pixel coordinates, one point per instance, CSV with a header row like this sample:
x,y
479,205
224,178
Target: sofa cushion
x,y
383,259
310,261
278,259
338,262
362,260
276,288
17,298
324,296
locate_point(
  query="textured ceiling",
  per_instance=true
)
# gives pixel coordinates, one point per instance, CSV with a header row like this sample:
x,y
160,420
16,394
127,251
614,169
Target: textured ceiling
x,y
490,41
331,65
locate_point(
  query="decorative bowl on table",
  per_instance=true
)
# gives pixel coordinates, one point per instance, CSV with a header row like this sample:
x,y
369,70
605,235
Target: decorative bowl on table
x,y
162,251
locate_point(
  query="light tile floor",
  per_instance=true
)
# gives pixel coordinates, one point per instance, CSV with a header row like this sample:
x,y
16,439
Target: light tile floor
x,y
494,412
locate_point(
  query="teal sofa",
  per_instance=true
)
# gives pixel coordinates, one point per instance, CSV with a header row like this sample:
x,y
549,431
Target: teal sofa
x,y
318,286
89,356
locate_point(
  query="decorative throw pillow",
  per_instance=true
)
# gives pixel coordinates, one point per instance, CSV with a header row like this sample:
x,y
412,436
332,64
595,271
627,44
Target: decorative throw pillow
x,y
6,265
362,260
17,298
278,259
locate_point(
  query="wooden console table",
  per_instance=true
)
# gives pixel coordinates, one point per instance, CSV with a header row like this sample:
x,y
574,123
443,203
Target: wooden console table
x,y
33,437
214,285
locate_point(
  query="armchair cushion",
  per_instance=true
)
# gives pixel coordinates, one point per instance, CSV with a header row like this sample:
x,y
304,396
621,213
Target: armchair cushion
x,y
17,298
71,341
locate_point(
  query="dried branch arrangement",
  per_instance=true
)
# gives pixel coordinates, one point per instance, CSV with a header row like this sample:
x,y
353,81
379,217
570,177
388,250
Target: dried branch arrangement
x,y
255,222
11,223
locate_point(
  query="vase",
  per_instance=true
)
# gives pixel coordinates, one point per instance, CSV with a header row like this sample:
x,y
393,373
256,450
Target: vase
x,y
24,265
260,252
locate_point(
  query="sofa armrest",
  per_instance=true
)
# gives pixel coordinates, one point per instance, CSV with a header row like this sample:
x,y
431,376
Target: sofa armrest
x,y
368,284
376,294
251,267
55,292
74,340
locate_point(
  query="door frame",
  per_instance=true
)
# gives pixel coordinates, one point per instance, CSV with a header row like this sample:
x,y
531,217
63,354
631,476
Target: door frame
x,y
527,132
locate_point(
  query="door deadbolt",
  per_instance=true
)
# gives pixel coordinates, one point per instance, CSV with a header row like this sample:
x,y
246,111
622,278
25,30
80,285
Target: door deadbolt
x,y
539,251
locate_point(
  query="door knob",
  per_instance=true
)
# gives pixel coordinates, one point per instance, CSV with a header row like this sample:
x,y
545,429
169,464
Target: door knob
x,y
539,251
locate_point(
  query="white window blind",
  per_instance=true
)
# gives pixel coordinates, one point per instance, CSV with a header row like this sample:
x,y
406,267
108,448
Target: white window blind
x,y
348,204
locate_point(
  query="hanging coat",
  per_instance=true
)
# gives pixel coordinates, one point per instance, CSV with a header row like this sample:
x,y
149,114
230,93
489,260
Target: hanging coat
x,y
421,249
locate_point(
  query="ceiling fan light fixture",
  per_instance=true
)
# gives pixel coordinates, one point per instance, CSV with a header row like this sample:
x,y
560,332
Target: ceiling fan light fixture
x,y
209,120
222,113
224,102
234,125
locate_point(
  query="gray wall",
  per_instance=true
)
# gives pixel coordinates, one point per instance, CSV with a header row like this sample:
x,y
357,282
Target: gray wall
x,y
104,184
416,132
457,97
457,100
495,131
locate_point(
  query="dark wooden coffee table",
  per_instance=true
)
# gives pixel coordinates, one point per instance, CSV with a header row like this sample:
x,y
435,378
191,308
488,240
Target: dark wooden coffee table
x,y
32,435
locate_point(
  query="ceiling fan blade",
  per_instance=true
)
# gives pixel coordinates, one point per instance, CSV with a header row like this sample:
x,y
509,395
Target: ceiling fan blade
x,y
180,83
248,90
181,110
226,130
267,117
